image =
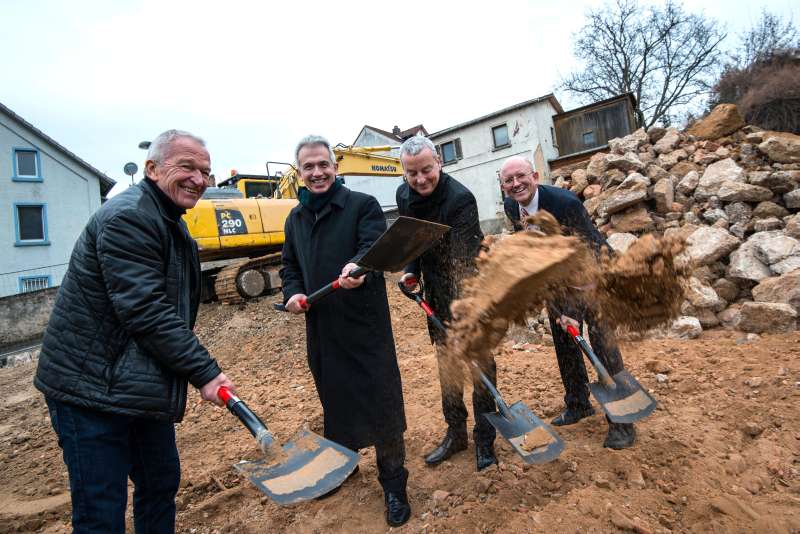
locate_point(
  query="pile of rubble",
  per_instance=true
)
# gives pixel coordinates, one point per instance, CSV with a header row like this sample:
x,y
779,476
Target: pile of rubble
x,y
732,190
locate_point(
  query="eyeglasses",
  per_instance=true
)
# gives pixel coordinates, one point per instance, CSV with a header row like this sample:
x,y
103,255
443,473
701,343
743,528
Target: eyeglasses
x,y
508,180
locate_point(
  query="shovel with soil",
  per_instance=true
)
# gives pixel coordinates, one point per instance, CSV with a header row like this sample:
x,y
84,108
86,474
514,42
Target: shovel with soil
x,y
403,242
530,437
305,468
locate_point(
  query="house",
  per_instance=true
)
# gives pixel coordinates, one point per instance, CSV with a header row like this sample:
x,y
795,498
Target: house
x,y
585,130
47,195
473,151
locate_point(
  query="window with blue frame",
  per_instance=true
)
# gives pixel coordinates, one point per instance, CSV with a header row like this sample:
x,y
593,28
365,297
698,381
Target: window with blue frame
x,y
33,283
27,165
30,223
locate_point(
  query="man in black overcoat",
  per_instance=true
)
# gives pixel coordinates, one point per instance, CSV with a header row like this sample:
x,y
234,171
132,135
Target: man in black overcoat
x,y
524,197
430,194
351,350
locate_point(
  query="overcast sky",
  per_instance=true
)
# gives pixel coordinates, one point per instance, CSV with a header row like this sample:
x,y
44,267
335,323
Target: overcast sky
x,y
253,77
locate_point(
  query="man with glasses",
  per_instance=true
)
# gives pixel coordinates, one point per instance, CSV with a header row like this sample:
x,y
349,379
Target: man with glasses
x,y
524,196
430,194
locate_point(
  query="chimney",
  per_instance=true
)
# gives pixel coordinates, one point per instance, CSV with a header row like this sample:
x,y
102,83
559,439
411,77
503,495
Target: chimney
x,y
396,130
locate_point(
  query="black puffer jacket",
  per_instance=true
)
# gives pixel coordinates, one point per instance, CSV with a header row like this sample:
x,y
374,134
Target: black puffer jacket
x,y
120,335
452,259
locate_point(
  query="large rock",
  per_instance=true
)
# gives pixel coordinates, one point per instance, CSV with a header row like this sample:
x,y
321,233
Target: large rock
x,y
793,227
664,195
784,288
716,175
578,182
701,295
688,183
765,225
723,120
741,192
772,247
738,212
708,244
683,168
668,142
629,143
792,199
621,241
761,317
786,265
592,191
726,289
685,328
625,163
656,173
597,166
769,209
781,147
779,182
744,266
635,219
630,192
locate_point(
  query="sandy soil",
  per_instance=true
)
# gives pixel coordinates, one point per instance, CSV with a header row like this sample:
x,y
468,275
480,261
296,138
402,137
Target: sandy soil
x,y
720,454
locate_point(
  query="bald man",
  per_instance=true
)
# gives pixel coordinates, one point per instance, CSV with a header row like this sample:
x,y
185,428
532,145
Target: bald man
x,y
524,196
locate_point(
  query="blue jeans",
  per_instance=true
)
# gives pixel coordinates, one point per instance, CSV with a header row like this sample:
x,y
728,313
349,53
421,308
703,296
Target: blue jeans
x,y
101,451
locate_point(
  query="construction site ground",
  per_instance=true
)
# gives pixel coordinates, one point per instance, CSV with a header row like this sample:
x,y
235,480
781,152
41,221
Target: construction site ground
x,y
720,454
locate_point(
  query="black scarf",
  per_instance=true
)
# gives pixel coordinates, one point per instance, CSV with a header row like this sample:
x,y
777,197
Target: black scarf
x,y
427,208
316,201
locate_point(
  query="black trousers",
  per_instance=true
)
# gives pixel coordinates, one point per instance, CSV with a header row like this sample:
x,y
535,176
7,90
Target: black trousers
x,y
571,359
391,458
451,381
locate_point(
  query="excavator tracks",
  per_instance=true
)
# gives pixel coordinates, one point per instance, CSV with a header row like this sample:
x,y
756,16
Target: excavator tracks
x,y
247,278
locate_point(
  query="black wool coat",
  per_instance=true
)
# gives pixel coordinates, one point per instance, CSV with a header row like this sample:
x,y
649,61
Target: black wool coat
x,y
443,267
349,338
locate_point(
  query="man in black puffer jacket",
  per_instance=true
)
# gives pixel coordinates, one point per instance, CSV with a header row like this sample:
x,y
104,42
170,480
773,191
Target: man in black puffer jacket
x,y
119,350
432,195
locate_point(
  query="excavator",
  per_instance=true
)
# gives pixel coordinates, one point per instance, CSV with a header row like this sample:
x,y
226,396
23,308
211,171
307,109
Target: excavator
x,y
238,225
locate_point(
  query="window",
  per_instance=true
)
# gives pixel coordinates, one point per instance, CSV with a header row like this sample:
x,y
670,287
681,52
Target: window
x,y
450,151
27,167
30,223
500,136
589,139
33,283
553,136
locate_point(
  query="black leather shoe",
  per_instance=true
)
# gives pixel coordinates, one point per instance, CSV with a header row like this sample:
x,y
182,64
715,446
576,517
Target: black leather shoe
x,y
484,456
620,436
452,443
570,416
337,488
398,511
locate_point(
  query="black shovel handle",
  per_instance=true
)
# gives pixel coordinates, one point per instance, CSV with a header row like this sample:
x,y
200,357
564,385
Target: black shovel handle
x,y
249,419
602,373
417,296
324,291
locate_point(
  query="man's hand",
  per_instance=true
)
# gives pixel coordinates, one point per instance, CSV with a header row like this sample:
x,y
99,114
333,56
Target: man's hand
x,y
209,391
564,321
296,304
347,282
410,280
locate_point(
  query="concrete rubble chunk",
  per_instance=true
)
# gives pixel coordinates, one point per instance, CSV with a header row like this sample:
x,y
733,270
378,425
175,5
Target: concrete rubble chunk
x,y
759,317
664,195
767,224
731,191
621,241
656,173
625,163
778,182
597,166
723,120
772,247
701,295
630,192
682,168
738,212
781,147
579,181
629,143
668,142
786,265
671,159
716,174
784,288
685,327
688,183
708,244
793,227
744,266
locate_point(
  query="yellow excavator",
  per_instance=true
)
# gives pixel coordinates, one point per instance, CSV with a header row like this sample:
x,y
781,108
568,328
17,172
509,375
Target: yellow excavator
x,y
238,225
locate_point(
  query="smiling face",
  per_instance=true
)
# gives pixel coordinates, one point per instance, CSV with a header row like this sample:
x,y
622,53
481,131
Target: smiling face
x,y
183,175
422,171
316,168
519,180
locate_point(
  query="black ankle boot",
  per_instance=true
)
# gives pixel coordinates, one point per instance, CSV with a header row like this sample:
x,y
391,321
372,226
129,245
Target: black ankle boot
x,y
620,436
398,511
454,441
484,455
570,416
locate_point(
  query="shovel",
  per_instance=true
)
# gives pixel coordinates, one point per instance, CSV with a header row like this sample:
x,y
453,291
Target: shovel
x,y
622,397
305,468
398,246
530,437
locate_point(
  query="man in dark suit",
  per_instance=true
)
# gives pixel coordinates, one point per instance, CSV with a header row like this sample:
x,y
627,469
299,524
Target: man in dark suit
x,y
524,196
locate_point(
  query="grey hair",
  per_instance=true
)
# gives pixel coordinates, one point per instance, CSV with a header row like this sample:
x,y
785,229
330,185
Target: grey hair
x,y
313,140
159,145
414,145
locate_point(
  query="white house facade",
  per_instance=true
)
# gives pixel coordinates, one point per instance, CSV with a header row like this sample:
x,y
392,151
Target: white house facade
x,y
47,196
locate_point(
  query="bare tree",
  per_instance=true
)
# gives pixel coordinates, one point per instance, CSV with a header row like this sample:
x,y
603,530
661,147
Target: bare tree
x,y
768,35
666,57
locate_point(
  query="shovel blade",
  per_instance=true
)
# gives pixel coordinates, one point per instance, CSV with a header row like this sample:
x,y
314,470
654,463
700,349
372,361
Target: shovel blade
x,y
309,467
402,243
533,439
627,402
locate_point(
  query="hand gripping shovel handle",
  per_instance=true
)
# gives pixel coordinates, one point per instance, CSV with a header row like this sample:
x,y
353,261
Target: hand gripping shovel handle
x,y
249,419
602,373
324,291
